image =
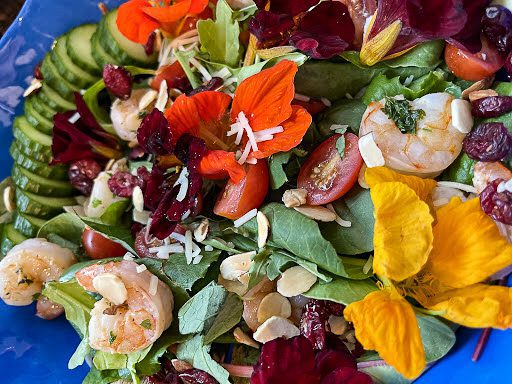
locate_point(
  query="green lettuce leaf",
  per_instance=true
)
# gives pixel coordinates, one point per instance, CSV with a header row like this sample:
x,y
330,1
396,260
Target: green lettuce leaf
x,y
277,174
185,275
65,230
343,291
228,317
344,112
461,170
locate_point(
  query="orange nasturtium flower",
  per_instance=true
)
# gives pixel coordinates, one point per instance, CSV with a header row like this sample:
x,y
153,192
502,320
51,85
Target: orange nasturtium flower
x,y
138,19
260,123
439,260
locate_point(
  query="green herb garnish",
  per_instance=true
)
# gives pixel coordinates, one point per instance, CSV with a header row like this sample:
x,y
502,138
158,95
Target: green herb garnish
x,y
146,324
340,143
96,203
112,338
401,112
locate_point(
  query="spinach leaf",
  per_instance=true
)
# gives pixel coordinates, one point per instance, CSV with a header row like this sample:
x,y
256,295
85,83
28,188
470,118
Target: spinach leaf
x,y
355,268
118,234
384,374
198,314
461,170
344,112
96,376
183,58
64,230
184,274
197,354
437,337
220,37
280,261
110,361
276,162
356,207
114,213
299,235
401,112
259,267
343,291
220,244
228,316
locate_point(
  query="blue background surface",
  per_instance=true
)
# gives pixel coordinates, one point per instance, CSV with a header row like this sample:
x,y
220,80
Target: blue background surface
x,y
35,350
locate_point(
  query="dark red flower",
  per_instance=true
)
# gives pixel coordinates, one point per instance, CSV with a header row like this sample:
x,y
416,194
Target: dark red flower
x,y
325,31
153,186
290,7
83,138
347,376
271,29
118,81
190,150
286,361
154,134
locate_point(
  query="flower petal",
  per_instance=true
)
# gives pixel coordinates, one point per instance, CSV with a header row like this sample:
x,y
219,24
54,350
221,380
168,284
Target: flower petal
x,y
271,29
294,130
196,113
197,6
422,187
468,246
386,323
477,306
133,23
169,14
221,164
265,98
469,37
403,231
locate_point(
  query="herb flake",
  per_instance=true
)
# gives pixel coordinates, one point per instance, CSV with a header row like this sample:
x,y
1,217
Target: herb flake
x,y
112,338
146,324
96,203
401,112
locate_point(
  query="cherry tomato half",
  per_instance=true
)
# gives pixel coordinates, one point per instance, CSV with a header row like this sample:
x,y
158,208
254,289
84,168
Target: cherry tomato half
x,y
236,200
473,66
98,246
173,74
325,175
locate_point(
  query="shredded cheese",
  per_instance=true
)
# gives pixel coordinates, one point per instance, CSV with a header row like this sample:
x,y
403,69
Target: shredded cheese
x,y
208,248
163,96
339,220
300,97
153,285
245,218
462,187
188,247
183,183
140,268
202,70
326,102
128,256
73,119
147,99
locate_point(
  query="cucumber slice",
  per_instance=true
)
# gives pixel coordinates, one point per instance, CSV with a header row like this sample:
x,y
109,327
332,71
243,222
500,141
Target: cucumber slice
x,y
56,172
55,101
52,77
27,225
10,238
41,206
31,142
67,69
43,108
79,46
118,46
31,182
99,54
35,118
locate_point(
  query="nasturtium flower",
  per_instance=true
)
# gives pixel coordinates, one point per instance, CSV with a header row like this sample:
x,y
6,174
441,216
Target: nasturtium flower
x,y
260,123
399,25
138,19
441,260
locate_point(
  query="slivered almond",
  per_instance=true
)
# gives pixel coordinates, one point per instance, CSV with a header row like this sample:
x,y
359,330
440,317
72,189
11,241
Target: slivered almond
x,y
235,266
295,281
244,338
111,287
316,213
274,328
295,197
274,304
263,226
181,365
201,231
8,197
479,85
477,95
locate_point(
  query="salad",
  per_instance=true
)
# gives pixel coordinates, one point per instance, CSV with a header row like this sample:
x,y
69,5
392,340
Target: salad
x,y
292,191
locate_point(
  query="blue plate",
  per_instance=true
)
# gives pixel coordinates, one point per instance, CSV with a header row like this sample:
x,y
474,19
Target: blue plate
x,y
34,350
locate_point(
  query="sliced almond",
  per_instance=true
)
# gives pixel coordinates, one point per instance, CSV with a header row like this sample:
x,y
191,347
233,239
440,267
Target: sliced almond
x,y
111,287
462,119
235,266
263,226
477,95
295,197
295,281
274,304
274,328
370,152
244,338
233,286
337,325
479,85
201,231
138,199
316,213
34,86
181,365
361,178
8,198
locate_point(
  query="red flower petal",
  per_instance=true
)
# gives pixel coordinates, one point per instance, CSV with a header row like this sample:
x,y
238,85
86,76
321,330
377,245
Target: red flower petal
x,y
221,164
469,37
169,13
325,31
133,23
286,361
197,6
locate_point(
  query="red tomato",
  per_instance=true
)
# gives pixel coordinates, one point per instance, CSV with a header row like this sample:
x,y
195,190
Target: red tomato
x,y
325,175
236,200
98,246
473,66
314,107
173,74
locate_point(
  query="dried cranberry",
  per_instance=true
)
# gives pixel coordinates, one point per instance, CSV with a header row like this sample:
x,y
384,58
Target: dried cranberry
x,y
196,376
328,360
492,106
82,174
118,81
37,72
122,184
149,47
498,205
313,323
213,85
497,27
488,142
154,134
347,376
166,375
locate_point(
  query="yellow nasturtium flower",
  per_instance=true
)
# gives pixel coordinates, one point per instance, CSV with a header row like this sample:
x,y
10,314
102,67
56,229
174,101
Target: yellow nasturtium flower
x,y
439,261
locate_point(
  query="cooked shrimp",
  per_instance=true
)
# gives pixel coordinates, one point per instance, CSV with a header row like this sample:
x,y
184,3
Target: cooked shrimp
x,y
135,323
426,153
126,114
29,265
